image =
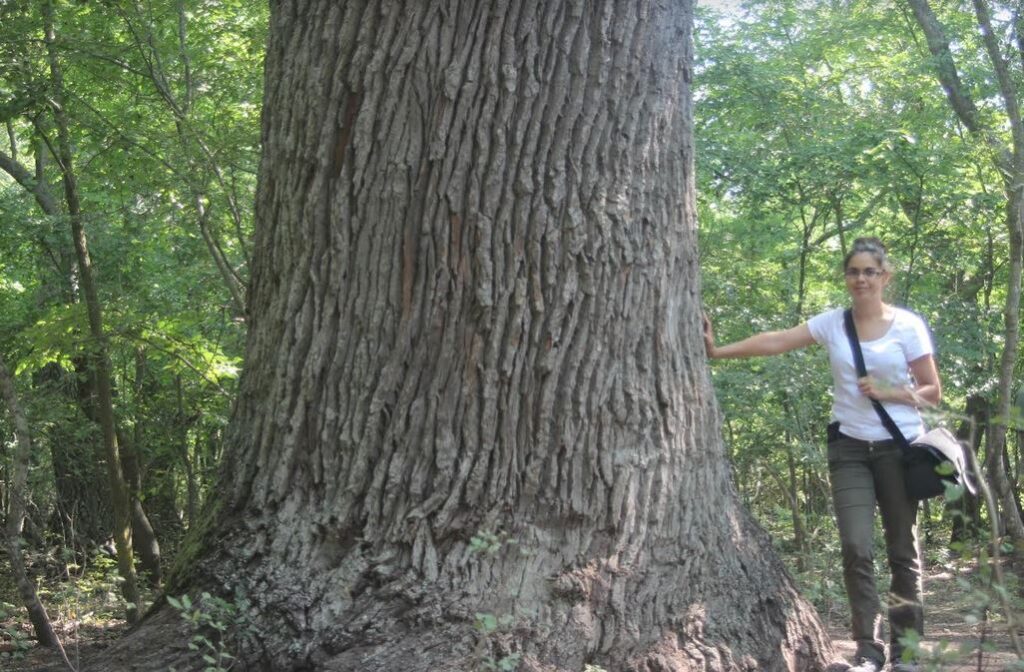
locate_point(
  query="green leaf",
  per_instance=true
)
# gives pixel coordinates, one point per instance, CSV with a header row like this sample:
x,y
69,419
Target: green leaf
x,y
486,623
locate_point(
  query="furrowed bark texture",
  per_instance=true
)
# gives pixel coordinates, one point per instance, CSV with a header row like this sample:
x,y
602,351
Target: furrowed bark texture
x,y
474,312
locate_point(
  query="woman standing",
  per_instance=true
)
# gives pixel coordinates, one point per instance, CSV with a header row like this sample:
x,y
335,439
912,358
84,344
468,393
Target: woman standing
x,y
865,463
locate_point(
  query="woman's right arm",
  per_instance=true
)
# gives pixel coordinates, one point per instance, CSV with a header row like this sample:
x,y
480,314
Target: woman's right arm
x,y
758,345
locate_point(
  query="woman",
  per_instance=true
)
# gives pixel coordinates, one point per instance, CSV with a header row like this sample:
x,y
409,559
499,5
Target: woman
x,y
864,461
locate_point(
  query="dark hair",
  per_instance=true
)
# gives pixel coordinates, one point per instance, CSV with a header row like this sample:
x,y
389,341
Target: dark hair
x,y
869,245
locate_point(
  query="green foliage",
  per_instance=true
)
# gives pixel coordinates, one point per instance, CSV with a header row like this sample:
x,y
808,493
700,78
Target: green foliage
x,y
493,629
91,594
163,117
81,594
486,541
980,595
16,637
505,664
817,123
211,620
487,626
55,337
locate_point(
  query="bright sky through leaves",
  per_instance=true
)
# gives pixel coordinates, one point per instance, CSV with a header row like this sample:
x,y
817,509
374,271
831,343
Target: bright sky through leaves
x,y
720,5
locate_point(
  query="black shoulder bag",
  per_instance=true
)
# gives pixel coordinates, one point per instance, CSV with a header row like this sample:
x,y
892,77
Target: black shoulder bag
x,y
934,458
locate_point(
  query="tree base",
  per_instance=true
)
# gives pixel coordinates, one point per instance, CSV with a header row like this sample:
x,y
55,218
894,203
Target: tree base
x,y
651,617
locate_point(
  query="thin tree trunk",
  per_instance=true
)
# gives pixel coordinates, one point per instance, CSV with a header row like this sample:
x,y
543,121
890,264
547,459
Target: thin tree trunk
x,y
16,516
80,515
144,540
101,358
191,141
799,533
192,487
996,455
160,468
966,512
83,507
1010,162
1013,172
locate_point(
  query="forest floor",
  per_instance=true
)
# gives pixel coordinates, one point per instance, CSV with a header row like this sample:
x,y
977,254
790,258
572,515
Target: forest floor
x,y
955,635
956,638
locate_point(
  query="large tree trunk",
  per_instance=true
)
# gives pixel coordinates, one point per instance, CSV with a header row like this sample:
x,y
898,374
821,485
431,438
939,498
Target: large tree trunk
x,y
475,381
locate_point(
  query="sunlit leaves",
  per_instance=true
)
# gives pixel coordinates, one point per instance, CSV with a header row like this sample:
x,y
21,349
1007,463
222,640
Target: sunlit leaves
x,y
817,123
165,132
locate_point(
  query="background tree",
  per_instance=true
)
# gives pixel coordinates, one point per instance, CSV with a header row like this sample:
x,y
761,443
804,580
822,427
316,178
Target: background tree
x,y
173,336
1008,155
99,357
16,513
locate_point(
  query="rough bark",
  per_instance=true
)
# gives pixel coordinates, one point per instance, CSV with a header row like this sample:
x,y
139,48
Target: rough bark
x,y
476,383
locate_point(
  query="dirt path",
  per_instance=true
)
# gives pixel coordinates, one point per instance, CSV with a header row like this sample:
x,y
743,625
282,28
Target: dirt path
x,y
953,638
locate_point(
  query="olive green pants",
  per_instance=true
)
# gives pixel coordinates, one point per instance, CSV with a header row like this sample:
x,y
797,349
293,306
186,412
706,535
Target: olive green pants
x,y
864,473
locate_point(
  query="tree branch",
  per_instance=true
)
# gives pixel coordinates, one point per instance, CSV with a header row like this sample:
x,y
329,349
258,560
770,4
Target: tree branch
x,y
27,180
938,45
1007,88
961,102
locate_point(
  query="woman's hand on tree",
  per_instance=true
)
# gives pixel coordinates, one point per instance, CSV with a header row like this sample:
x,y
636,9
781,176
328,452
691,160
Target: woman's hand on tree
x,y
709,336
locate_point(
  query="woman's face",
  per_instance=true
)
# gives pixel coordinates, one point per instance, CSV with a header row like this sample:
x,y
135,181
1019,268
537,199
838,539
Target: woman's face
x,y
865,277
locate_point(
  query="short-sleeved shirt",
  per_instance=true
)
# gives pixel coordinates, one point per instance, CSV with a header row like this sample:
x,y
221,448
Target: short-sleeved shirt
x,y
887,360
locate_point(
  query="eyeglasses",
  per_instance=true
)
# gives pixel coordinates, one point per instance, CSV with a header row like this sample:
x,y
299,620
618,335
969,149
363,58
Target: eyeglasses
x,y
868,273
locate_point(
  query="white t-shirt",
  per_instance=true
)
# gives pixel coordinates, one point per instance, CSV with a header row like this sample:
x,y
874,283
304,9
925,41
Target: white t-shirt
x,y
886,360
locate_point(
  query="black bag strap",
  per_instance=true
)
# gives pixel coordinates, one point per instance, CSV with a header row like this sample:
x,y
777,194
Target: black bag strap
x,y
858,359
